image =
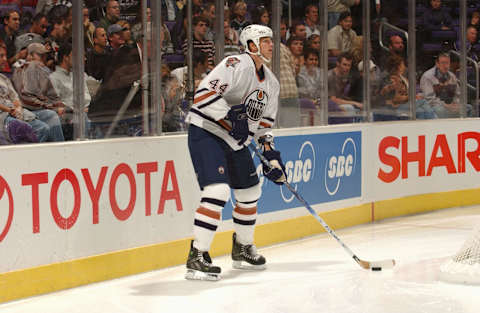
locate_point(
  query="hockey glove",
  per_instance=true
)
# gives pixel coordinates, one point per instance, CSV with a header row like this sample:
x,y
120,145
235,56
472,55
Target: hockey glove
x,y
238,116
276,171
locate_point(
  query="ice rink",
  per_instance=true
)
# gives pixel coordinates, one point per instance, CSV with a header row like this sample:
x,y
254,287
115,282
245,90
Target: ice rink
x,y
309,275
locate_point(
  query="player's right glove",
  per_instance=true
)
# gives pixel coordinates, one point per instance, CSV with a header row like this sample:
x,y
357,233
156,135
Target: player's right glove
x,y
276,171
238,116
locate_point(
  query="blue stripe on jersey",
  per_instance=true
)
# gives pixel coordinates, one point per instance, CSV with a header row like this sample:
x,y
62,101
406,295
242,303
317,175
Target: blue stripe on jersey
x,y
193,110
201,90
209,102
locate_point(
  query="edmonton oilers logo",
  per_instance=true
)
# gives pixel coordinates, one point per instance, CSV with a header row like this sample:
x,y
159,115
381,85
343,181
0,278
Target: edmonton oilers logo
x,y
256,103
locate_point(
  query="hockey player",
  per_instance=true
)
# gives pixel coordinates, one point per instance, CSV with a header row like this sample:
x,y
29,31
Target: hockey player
x,y
235,103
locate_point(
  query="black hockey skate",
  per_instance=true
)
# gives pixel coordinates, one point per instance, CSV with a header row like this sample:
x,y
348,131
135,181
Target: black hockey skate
x,y
199,266
246,256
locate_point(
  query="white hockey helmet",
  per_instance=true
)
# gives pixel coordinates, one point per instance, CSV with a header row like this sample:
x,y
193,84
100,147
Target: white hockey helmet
x,y
254,33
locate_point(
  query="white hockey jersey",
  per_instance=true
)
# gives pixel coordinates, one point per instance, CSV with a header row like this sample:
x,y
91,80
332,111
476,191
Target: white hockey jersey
x,y
235,81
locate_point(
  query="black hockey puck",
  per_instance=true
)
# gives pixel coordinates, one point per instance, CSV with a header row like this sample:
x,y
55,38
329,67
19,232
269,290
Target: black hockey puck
x,y
376,268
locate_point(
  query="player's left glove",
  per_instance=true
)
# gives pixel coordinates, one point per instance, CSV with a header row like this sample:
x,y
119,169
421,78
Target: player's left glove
x,y
238,116
276,171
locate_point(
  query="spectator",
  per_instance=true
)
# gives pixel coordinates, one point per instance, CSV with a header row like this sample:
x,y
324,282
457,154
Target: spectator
x,y
239,17
310,78
39,24
231,39
45,6
336,8
436,18
395,91
12,117
200,67
289,111
62,81
472,43
112,14
340,81
295,44
375,85
441,88
396,47
23,41
97,59
115,36
171,8
314,42
36,91
208,12
297,30
127,32
475,20
199,42
11,24
311,20
340,37
283,31
58,33
88,29
261,16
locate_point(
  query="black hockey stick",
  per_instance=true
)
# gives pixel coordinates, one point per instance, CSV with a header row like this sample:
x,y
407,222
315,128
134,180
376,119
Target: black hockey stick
x,y
373,265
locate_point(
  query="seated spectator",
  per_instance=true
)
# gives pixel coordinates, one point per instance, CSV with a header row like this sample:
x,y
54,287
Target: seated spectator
x,y
340,81
115,36
340,37
395,91
88,29
310,78
311,20
356,91
239,16
127,32
11,24
58,33
97,59
314,42
261,16
297,30
231,39
14,127
22,42
208,12
436,18
45,6
62,81
472,42
441,88
112,14
32,82
336,8
39,25
475,20
200,67
283,31
295,44
199,42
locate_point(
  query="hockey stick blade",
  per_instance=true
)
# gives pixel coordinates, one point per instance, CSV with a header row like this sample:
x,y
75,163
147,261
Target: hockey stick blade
x,y
374,266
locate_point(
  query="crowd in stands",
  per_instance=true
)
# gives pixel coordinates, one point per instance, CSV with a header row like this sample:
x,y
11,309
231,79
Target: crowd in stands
x,y
36,80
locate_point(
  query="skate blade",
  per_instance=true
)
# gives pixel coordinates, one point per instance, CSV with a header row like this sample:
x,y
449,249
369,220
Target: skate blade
x,y
242,265
198,275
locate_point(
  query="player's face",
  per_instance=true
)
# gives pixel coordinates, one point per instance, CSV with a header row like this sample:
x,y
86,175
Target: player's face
x,y
266,47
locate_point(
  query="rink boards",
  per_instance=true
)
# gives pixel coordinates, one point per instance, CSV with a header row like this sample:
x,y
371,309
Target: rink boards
x,y
81,212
